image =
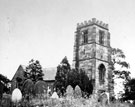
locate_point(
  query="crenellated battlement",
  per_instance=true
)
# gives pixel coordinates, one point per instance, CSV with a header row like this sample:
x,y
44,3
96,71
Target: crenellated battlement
x,y
91,22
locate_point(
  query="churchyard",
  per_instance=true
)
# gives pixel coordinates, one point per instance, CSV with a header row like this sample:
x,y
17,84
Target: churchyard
x,y
72,98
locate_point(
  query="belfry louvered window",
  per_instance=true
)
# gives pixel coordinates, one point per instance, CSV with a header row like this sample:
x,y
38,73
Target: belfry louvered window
x,y
85,36
101,37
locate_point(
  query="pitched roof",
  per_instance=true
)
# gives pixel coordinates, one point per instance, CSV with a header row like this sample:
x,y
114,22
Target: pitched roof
x,y
19,72
24,67
49,73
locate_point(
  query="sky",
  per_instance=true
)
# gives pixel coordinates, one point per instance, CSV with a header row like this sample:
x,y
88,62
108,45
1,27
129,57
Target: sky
x,y
44,29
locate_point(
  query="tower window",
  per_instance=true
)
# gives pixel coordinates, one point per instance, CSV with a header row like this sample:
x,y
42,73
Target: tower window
x,y
102,70
85,36
101,37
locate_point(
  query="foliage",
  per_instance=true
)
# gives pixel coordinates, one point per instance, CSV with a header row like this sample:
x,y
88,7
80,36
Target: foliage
x,y
80,78
81,102
86,83
6,101
129,90
65,76
73,78
4,84
19,82
33,83
4,79
118,58
62,102
61,76
119,67
34,71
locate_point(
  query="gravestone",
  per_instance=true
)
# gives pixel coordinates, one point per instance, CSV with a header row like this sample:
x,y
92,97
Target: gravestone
x,y
16,95
69,92
55,95
103,98
40,88
77,92
28,87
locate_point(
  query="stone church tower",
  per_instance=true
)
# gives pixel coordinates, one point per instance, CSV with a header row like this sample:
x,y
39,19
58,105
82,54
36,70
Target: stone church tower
x,y
92,52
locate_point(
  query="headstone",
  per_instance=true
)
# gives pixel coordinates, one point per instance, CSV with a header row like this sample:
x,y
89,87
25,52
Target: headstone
x,y
77,92
16,95
55,95
103,98
40,88
108,96
69,92
28,87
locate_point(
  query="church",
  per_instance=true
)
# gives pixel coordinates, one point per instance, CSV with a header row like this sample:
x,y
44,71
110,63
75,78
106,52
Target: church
x,y
92,52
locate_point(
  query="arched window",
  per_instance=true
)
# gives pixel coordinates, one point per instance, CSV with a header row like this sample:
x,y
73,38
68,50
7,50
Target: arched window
x,y
102,70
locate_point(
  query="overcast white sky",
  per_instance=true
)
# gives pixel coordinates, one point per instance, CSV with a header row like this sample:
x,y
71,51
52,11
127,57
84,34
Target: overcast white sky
x,y
44,29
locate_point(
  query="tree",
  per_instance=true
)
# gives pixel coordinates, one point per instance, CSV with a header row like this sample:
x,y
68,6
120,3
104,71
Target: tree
x,y
34,71
119,66
118,58
129,90
61,76
5,81
86,83
33,78
74,78
80,78
4,85
66,76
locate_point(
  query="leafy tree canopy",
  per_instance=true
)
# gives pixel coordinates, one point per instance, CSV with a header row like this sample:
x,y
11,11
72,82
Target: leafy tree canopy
x,y
129,90
119,66
4,84
4,79
34,71
118,58
61,76
66,76
80,78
